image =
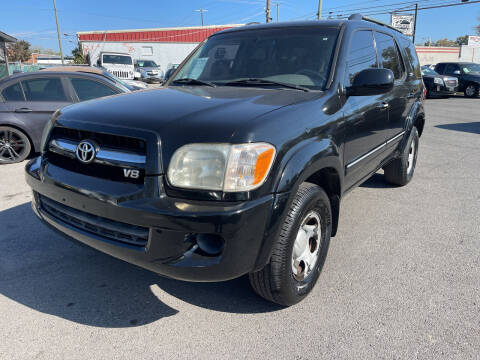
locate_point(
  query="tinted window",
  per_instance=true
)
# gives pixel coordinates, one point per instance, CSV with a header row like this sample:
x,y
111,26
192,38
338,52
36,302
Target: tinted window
x,y
450,68
440,68
13,93
146,63
298,56
117,59
361,55
44,89
388,55
413,59
89,89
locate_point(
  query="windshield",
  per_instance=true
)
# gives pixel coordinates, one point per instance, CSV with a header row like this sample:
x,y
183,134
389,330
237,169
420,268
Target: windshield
x,y
117,59
116,80
146,63
470,68
297,56
428,71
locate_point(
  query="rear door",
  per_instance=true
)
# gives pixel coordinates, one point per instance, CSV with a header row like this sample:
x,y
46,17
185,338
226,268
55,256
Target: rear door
x,y
399,97
88,89
43,96
365,116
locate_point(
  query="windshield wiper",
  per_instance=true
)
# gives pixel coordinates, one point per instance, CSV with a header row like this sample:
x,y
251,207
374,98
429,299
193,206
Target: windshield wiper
x,y
259,81
191,81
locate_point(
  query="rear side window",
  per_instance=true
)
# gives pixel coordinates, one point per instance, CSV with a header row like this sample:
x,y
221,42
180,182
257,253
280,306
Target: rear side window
x,y
413,59
361,55
89,89
388,54
44,89
13,93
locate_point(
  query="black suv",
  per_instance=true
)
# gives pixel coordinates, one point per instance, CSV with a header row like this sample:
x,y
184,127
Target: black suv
x,y
238,166
468,75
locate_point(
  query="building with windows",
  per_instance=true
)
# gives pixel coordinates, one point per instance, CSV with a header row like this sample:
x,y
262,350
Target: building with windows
x,y
4,38
166,46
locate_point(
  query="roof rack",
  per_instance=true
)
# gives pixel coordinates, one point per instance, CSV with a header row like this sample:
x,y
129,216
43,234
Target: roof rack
x,y
361,17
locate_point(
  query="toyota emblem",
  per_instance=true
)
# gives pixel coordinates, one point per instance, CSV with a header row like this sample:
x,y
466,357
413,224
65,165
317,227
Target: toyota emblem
x,y
86,151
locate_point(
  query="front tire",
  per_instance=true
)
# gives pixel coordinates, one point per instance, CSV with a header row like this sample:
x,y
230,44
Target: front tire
x,y
400,171
471,91
300,251
14,145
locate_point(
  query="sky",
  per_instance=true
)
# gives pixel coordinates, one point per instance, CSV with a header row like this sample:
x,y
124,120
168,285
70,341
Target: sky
x,y
34,20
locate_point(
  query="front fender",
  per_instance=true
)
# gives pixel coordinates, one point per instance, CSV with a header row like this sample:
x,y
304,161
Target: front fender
x,y
306,159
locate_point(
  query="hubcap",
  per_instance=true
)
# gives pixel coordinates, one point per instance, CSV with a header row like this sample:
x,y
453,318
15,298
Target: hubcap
x,y
307,245
12,145
470,90
411,157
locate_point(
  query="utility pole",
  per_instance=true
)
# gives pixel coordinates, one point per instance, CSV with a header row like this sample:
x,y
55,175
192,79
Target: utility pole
x,y
58,31
319,12
277,4
201,11
415,23
267,12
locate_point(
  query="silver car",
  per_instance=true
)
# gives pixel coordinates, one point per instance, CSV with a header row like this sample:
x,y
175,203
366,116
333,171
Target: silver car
x,y
149,70
28,100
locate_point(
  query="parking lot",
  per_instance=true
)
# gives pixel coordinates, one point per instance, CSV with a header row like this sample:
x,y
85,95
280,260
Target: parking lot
x,y
401,281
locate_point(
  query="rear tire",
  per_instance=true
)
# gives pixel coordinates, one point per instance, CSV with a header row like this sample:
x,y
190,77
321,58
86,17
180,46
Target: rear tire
x,y
400,171
14,145
300,251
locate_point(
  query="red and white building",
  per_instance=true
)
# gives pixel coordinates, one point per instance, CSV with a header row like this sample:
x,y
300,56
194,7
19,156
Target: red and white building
x,y
166,46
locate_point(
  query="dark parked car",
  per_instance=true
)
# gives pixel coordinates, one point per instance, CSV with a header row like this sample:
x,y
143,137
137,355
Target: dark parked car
x,y
149,71
28,100
171,71
438,85
468,75
239,165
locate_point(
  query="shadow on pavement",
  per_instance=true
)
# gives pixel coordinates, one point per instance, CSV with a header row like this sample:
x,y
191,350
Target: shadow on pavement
x,y
376,181
47,273
471,127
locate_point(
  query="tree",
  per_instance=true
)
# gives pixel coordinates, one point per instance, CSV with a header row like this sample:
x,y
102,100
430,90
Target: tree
x,y
445,42
41,50
78,57
462,40
19,51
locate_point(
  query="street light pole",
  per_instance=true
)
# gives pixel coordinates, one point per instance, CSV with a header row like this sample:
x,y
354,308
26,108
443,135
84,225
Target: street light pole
x,y
201,11
58,31
319,13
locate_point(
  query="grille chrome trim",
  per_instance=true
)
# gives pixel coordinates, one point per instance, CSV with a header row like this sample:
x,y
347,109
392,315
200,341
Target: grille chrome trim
x,y
104,156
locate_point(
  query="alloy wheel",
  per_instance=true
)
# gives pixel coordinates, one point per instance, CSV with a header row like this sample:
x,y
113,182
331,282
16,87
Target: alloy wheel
x,y
13,145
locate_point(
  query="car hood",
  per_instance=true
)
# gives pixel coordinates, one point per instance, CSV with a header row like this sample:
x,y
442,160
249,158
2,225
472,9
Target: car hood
x,y
185,114
147,68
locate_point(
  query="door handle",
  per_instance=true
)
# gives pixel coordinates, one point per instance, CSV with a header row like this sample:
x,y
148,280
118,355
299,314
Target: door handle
x,y
23,110
384,106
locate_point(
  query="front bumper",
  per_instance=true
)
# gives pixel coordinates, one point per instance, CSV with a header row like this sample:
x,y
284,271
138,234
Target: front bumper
x,y
442,90
172,226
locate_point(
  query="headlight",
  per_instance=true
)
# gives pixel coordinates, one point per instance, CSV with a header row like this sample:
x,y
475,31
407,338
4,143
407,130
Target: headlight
x,y
438,81
222,167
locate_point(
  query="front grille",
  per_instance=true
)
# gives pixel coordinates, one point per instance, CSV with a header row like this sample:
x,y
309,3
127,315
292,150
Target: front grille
x,y
104,140
120,74
124,148
451,82
107,172
96,225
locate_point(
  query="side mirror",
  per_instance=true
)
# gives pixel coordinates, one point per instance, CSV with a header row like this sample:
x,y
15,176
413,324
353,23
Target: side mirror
x,y
371,82
456,72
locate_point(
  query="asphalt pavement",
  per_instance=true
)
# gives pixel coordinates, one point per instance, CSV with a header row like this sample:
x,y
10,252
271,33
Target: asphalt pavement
x,y
401,280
